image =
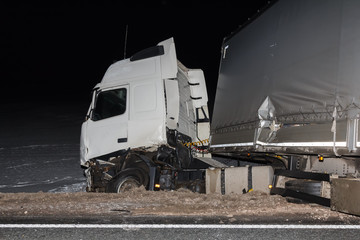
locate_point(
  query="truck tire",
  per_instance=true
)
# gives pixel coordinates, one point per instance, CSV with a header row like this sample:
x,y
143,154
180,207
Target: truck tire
x,y
127,180
126,183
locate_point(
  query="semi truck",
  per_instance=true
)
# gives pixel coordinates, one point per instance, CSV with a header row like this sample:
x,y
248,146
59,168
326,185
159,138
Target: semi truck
x,y
287,99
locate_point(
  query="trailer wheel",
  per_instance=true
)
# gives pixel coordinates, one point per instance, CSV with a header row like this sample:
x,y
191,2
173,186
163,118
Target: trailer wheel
x,y
127,180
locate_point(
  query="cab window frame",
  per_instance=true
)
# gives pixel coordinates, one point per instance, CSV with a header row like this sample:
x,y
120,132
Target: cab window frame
x,y
109,103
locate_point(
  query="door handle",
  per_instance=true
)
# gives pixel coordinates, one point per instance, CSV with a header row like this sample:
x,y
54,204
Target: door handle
x,y
122,140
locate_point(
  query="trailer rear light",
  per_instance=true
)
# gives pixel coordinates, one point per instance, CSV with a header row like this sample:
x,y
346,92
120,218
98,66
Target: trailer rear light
x,y
321,158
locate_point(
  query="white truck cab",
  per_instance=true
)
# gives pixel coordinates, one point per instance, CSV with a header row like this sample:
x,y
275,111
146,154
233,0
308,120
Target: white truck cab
x,y
149,104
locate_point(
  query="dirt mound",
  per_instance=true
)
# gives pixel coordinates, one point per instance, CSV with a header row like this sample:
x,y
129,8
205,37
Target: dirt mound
x,y
163,203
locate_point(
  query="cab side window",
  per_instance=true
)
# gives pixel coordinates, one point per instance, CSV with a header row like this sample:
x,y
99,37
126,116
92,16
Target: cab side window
x,y
109,104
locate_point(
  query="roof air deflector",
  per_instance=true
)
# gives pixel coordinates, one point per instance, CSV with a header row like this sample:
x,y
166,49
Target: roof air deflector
x,y
148,53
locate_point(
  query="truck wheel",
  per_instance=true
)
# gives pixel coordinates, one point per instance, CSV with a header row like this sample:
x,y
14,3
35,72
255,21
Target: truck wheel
x,y
126,183
127,180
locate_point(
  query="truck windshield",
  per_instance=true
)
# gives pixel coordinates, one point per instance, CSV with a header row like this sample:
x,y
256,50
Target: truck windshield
x,y
109,104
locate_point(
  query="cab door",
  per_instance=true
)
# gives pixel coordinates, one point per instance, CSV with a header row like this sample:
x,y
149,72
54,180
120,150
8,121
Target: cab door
x,y
107,127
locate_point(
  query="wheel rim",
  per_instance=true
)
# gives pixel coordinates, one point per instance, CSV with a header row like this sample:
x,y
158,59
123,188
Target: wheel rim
x,y
128,184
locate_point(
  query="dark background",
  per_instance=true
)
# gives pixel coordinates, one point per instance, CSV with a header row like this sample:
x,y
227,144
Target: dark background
x,y
52,53
56,51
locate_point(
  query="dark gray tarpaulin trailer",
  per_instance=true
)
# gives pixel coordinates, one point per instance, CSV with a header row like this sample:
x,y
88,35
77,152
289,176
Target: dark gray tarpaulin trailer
x,y
289,81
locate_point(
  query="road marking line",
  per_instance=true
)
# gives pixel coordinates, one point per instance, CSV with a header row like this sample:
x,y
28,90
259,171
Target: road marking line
x,y
164,226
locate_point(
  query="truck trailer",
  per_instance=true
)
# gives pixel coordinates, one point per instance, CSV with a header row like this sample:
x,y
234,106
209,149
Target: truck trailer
x,y
288,96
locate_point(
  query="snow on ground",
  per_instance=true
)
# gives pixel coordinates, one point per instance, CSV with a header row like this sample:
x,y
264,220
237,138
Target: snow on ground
x,y
47,168
39,147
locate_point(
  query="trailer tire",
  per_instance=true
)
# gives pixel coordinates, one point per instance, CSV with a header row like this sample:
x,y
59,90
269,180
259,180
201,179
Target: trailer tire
x,y
127,180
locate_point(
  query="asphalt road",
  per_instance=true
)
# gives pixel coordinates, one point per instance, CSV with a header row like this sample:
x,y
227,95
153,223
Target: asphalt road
x,y
170,231
147,227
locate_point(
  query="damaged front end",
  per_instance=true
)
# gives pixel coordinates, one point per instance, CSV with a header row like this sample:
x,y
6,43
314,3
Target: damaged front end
x,y
102,174
162,169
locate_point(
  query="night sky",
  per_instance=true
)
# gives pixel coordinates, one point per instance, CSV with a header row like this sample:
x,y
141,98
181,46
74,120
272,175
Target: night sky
x,y
58,50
